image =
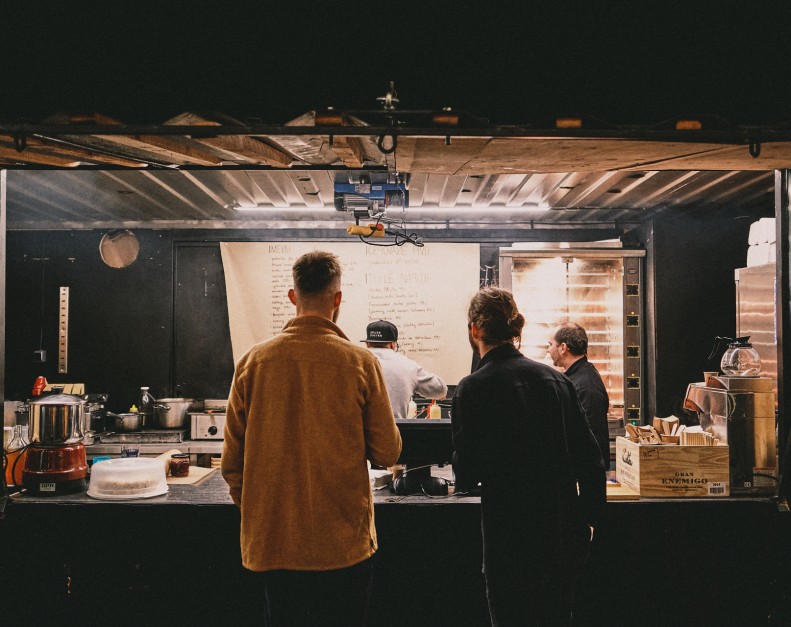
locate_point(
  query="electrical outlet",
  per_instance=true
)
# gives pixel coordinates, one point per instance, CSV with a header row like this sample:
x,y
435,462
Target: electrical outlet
x,y
40,356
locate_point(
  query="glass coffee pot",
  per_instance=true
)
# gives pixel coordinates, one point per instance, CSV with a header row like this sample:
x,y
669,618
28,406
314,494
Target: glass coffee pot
x,y
740,358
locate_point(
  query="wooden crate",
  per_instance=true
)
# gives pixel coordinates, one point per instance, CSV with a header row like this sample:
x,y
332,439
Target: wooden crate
x,y
672,471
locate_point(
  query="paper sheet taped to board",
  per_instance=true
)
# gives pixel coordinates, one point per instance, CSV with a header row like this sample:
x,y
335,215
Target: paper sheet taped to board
x,y
424,291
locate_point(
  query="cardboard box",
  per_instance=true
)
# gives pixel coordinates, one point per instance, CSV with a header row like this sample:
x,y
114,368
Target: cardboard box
x,y
673,471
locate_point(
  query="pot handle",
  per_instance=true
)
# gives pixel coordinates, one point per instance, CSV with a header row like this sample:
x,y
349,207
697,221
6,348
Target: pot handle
x,y
165,408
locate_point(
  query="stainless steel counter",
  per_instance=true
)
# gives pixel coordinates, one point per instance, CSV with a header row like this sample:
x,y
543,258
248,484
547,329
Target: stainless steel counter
x,y
213,491
191,447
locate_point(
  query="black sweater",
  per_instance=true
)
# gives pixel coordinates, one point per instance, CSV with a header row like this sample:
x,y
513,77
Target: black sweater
x,y
594,400
519,431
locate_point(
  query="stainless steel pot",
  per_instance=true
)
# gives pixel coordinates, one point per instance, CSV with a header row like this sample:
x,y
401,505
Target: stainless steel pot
x,y
171,413
56,420
128,421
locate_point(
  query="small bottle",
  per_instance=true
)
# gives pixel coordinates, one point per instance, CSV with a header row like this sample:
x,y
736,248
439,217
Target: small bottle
x,y
146,408
15,457
38,385
435,411
412,411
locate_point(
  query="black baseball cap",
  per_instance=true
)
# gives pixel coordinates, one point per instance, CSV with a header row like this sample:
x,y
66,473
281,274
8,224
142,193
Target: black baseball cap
x,y
381,332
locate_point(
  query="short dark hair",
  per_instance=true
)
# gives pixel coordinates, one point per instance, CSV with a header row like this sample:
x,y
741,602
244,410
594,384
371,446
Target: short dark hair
x,y
574,336
494,311
315,272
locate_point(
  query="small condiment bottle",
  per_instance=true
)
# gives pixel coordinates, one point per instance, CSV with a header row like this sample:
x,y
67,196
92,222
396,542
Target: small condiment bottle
x,y
16,453
38,386
179,465
435,411
412,410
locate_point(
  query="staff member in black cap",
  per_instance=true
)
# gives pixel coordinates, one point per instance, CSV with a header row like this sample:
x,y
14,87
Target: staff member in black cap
x,y
403,377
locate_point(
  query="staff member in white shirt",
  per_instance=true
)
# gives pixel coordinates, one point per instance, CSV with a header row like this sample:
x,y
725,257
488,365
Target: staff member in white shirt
x,y
403,377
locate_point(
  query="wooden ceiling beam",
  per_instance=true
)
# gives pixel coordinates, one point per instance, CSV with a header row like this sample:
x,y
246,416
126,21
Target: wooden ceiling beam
x,y
40,148
234,145
165,148
31,156
162,148
347,149
249,148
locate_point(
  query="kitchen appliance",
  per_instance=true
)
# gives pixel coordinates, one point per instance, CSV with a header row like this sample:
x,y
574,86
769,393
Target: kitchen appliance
x,y
599,286
756,289
55,462
740,358
95,413
740,412
207,425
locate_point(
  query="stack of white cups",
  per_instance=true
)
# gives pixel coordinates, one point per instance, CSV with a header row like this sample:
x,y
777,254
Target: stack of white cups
x,y
762,240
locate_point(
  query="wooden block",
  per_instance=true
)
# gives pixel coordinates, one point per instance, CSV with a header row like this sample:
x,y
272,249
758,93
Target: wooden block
x,y
197,473
618,492
673,471
634,434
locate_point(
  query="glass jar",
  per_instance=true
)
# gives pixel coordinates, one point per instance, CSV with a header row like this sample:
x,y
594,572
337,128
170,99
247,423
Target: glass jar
x,y
179,465
16,452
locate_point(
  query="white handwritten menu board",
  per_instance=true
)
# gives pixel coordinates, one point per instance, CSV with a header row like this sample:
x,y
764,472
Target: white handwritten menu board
x,y
424,291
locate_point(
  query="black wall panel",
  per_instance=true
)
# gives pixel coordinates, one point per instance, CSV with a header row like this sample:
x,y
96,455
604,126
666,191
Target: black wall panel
x,y
203,365
120,320
694,258
163,321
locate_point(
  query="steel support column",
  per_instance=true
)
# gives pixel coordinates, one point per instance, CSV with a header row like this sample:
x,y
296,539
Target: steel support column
x,y
783,322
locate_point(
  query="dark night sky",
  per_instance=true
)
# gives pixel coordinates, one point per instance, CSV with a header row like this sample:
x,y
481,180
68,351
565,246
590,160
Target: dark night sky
x,y
622,62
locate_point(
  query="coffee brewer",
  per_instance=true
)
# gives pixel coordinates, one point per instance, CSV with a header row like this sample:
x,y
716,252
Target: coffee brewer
x,y
740,412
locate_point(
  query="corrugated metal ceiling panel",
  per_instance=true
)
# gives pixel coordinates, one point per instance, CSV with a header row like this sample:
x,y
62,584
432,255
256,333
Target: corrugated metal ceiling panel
x,y
103,198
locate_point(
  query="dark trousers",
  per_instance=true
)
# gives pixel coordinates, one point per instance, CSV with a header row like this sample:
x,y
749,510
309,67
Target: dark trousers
x,y
329,598
518,598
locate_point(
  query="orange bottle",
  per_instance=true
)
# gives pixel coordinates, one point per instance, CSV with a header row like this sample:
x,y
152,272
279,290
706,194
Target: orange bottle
x,y
15,458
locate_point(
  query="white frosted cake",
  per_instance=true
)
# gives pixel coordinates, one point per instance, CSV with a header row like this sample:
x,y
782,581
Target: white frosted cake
x,y
127,478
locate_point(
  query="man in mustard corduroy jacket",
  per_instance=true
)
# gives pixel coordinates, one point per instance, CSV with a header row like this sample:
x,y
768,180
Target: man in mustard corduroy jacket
x,y
307,408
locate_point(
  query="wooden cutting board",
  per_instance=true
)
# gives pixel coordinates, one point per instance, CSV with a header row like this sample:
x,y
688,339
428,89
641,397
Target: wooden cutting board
x,y
618,492
197,473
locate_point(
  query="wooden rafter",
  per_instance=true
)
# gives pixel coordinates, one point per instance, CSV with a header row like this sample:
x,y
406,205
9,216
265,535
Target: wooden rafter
x,y
249,148
159,147
41,152
235,146
347,149
165,148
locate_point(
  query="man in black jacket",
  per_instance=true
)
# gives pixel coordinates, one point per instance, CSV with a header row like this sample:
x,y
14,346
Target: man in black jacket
x,y
568,348
519,432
